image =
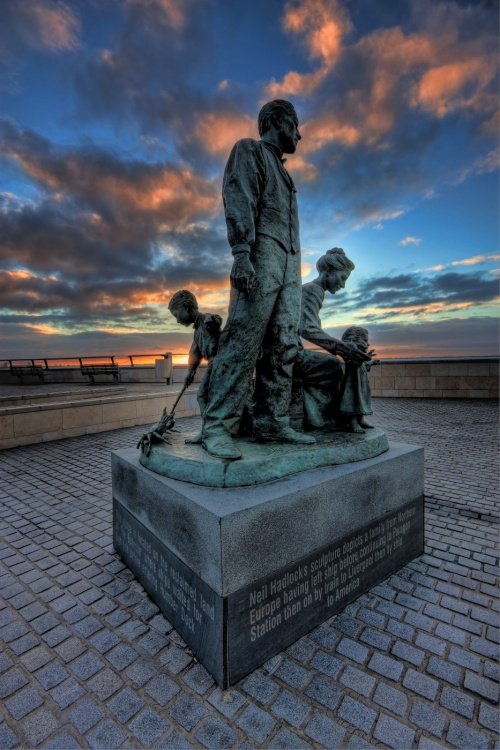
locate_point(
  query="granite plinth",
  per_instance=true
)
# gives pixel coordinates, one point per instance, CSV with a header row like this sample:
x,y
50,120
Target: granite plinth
x,y
243,572
260,463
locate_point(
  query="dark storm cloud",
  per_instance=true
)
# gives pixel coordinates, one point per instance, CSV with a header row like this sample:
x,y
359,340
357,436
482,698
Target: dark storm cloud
x,y
402,281
20,291
426,290
118,235
113,187
467,286
55,237
444,338
98,281
416,294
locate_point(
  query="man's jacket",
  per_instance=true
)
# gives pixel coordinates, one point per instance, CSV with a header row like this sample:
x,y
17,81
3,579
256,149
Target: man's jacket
x,y
259,198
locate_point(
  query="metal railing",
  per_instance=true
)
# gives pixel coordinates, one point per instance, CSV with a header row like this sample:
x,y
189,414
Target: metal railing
x,y
125,360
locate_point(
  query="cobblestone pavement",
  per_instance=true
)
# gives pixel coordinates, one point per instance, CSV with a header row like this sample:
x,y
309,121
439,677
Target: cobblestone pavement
x,y
88,661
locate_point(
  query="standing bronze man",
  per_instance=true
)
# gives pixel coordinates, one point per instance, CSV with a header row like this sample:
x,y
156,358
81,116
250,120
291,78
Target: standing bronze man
x,y
264,310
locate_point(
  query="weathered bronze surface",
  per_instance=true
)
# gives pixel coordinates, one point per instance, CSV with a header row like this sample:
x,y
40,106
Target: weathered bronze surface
x,y
260,463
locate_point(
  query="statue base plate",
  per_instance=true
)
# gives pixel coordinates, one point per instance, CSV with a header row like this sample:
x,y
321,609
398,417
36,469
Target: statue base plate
x,y
241,573
261,462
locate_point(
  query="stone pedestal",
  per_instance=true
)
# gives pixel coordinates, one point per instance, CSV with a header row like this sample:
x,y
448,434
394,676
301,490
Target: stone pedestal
x,y
242,572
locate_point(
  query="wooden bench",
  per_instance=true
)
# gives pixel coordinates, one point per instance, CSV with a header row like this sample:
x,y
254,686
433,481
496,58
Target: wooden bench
x,y
21,370
108,367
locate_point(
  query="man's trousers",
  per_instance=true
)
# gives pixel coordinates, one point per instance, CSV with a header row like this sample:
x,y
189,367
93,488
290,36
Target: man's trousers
x,y
261,333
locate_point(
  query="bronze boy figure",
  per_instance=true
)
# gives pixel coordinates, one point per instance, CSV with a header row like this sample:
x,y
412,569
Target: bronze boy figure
x,y
184,308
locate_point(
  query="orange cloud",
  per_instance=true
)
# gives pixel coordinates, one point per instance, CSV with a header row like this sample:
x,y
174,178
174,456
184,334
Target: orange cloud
x,y
218,132
323,25
141,298
436,72
184,189
172,10
306,268
213,298
389,54
367,114
21,273
427,309
175,196
42,328
319,131
447,75
392,50
295,84
492,257
441,89
57,24
297,166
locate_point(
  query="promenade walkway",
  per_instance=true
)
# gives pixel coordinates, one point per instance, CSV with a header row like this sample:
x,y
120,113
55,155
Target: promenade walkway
x,y
88,661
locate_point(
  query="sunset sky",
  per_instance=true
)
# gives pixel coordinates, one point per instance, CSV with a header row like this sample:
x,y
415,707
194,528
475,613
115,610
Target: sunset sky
x,y
117,117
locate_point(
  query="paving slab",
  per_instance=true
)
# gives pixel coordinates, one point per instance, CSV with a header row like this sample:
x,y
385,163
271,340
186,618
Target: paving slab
x,y
87,661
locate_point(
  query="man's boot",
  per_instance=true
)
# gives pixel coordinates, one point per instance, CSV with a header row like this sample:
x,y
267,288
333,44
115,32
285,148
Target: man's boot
x,y
221,446
277,433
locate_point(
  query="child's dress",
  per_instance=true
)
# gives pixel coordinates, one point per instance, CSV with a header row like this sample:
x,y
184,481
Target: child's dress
x,y
355,390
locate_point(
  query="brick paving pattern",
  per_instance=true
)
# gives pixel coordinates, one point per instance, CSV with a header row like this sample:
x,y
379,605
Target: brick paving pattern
x,y
89,662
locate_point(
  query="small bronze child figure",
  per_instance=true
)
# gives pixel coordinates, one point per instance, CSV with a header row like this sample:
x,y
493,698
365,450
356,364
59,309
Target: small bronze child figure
x,y
184,308
355,400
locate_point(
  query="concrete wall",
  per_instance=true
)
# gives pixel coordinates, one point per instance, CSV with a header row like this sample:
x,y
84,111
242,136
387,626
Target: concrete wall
x,y
33,396
161,372
436,378
423,378
23,425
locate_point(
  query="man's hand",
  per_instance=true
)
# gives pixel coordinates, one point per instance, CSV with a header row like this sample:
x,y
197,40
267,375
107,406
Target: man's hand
x,y
350,353
242,273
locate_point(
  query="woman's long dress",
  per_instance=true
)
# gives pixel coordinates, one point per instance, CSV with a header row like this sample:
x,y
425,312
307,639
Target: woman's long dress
x,y
320,374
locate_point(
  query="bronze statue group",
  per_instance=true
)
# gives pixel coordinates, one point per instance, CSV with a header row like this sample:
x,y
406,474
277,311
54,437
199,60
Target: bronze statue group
x,y
259,373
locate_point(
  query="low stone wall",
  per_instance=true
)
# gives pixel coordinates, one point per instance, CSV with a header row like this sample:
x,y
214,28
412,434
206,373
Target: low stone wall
x,y
33,397
160,372
436,378
37,423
